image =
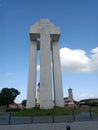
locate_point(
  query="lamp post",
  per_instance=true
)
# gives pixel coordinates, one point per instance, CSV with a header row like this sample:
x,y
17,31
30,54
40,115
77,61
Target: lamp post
x,y
68,127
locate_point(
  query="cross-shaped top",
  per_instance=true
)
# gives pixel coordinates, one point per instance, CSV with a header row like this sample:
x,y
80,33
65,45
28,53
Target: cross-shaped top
x,y
46,27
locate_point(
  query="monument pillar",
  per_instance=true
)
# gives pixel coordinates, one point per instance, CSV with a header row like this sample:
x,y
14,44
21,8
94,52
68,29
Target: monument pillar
x,y
46,98
31,92
57,77
48,35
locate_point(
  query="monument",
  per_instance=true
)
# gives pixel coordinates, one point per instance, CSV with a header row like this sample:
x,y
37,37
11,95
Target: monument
x,y
44,36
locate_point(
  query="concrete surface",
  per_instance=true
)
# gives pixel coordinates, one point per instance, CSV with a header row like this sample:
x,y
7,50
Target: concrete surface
x,y
84,125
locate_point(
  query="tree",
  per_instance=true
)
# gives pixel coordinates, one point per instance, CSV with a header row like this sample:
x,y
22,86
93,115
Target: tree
x,y
3,100
24,102
8,96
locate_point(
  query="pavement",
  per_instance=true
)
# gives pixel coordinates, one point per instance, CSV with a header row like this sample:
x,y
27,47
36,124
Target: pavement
x,y
79,125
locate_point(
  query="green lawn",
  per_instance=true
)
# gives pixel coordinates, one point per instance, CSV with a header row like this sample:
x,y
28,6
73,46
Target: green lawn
x,y
95,112
43,112
1,118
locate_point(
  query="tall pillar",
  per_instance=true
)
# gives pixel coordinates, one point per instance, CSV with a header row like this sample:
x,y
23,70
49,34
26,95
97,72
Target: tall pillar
x,y
58,92
48,35
46,98
31,92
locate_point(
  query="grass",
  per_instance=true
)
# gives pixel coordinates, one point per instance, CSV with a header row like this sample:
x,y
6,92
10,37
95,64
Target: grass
x,y
43,112
1,118
95,112
62,111
46,112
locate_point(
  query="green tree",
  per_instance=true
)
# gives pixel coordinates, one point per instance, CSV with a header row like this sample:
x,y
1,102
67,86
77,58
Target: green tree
x,y
24,102
8,95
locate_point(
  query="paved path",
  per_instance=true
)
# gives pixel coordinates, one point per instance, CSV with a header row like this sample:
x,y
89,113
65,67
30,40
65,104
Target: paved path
x,y
84,125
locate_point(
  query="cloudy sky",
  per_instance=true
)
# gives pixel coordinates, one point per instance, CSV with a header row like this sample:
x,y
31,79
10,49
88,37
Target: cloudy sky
x,y
78,22
76,60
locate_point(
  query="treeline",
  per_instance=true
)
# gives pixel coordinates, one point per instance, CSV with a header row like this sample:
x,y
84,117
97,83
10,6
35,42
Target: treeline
x,y
89,103
8,95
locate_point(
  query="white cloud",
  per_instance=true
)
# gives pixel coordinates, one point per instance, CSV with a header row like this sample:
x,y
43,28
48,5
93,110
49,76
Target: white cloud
x,y
81,96
38,67
77,60
94,59
85,95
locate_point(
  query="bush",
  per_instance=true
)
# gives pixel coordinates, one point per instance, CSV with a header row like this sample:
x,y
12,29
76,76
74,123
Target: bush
x,y
12,109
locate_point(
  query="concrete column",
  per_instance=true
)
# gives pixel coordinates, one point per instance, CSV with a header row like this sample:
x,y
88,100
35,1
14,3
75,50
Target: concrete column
x,y
46,98
58,90
31,92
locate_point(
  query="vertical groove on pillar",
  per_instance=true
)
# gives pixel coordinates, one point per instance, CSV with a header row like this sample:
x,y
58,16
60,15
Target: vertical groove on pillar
x,y
31,94
58,90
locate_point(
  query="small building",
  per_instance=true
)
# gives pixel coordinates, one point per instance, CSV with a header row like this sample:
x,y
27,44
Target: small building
x,y
69,101
16,106
89,100
70,93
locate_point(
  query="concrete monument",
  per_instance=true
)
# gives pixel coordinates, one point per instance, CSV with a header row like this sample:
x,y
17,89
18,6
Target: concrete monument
x,y
44,36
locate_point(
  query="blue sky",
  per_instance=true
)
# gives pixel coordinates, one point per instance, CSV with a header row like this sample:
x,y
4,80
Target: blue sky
x,y
78,21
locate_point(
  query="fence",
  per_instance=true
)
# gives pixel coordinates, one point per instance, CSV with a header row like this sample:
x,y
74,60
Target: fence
x,y
9,119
